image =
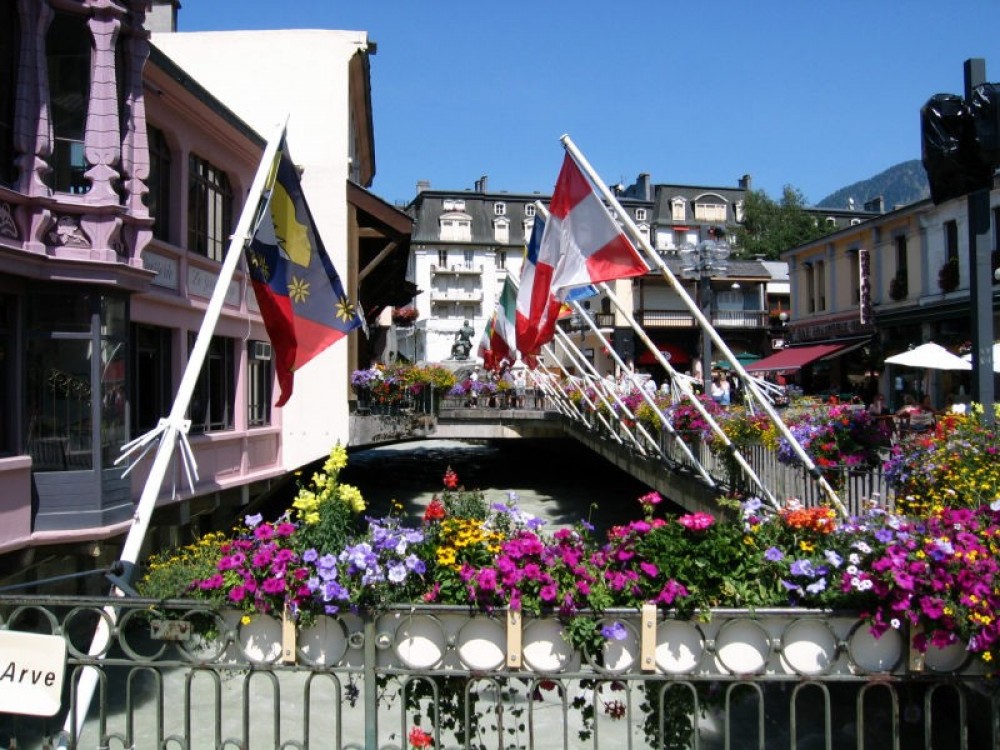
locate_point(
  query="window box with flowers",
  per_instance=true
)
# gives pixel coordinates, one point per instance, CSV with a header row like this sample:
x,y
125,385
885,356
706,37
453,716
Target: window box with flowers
x,y
404,317
899,287
948,276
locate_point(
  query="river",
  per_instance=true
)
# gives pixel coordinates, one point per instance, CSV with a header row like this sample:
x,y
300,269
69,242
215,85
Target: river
x,y
557,480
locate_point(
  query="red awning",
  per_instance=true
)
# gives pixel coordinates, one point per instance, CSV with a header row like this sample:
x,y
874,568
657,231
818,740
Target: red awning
x,y
794,358
677,356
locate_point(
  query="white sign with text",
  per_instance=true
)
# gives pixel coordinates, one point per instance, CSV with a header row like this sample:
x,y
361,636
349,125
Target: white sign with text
x,y
32,668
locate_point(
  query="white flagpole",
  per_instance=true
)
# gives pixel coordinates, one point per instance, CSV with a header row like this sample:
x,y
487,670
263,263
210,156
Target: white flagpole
x,y
684,447
705,324
173,427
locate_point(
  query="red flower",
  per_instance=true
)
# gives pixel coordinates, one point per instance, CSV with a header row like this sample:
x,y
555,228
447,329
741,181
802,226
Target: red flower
x,y
420,738
434,512
450,479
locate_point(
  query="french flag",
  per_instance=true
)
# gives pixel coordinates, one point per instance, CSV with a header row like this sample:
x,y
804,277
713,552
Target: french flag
x,y
537,308
582,240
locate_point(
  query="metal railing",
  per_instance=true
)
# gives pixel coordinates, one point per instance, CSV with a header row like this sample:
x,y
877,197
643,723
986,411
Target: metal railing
x,y
769,678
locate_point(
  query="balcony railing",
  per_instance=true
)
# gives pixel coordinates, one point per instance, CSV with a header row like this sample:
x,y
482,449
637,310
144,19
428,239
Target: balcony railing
x,y
457,268
453,295
720,319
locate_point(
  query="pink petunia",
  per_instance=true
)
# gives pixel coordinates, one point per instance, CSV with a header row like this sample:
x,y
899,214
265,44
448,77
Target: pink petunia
x,y
696,521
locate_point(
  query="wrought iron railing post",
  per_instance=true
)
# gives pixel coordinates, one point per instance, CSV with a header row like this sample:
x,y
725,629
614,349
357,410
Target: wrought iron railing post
x,y
370,686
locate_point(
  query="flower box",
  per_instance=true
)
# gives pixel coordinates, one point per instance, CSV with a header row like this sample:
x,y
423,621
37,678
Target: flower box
x,y
725,644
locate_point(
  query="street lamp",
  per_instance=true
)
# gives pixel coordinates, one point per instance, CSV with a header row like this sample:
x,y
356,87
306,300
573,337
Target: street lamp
x,y
701,262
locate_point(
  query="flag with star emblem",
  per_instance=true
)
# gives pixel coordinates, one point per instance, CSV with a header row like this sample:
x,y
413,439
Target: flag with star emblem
x,y
298,290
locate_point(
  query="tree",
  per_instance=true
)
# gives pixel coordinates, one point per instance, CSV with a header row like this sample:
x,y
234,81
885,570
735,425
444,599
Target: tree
x,y
769,228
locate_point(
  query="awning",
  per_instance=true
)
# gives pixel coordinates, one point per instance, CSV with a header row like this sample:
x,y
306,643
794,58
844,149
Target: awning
x,y
794,358
678,357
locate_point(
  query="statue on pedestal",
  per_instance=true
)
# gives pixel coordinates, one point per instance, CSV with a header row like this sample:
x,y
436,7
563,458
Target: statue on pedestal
x,y
463,341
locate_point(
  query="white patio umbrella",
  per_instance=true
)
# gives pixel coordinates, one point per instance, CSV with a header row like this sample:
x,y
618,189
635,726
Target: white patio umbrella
x,y
929,356
996,358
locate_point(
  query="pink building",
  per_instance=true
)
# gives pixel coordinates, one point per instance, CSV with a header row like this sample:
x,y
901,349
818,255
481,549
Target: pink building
x,y
121,178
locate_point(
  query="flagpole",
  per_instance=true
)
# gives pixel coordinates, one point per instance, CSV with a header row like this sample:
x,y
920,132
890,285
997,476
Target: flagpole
x,y
597,412
684,447
692,397
705,324
174,427
580,361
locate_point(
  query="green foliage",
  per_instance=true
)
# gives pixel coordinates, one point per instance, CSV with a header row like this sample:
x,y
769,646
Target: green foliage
x,y
326,510
171,572
770,227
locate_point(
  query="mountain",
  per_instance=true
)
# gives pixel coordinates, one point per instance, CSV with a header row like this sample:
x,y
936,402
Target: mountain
x,y
904,183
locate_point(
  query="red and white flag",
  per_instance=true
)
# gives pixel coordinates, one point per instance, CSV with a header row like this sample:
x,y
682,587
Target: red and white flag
x,y
581,233
537,307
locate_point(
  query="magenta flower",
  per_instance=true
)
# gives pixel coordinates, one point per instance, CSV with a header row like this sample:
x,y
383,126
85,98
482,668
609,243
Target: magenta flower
x,y
696,521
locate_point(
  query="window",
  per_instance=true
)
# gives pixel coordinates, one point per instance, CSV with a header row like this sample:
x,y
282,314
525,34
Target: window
x,y
831,222
678,209
899,285
855,260
810,288
258,383
158,197
740,207
820,285
640,214
451,204
501,259
214,394
855,222
67,48
9,36
529,210
951,240
704,211
442,259
210,208
501,231
468,256
499,209
75,378
529,224
456,227
152,391
996,229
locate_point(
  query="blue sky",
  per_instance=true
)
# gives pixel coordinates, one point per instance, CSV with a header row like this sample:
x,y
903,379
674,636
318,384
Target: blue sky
x,y
810,94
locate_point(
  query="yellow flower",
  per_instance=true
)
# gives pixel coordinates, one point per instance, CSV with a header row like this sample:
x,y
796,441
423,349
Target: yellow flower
x,y
337,460
351,496
245,620
806,546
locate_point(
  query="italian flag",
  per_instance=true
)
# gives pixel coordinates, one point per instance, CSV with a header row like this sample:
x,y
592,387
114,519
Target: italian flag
x,y
498,342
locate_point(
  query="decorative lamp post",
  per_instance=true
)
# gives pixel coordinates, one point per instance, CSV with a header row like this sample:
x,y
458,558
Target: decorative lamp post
x,y
701,262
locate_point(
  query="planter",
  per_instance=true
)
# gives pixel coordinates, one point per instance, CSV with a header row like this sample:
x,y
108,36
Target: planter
x,y
732,644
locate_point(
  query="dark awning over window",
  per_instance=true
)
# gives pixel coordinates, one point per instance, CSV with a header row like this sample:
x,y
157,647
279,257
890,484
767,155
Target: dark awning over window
x,y
794,358
677,356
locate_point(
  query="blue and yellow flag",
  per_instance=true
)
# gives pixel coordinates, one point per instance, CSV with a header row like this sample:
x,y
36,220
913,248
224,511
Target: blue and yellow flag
x,y
301,299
